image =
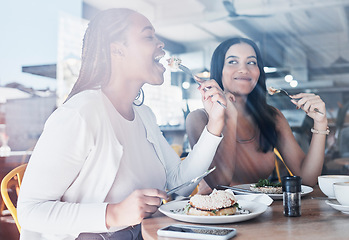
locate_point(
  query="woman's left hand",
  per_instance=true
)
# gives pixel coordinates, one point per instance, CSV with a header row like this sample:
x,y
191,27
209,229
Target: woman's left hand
x,y
309,102
212,94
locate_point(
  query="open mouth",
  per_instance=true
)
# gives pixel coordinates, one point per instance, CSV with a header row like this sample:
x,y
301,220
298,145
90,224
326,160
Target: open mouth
x,y
157,61
157,58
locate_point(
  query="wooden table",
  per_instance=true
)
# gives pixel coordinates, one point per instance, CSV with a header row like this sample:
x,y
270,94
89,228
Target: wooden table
x,y
318,221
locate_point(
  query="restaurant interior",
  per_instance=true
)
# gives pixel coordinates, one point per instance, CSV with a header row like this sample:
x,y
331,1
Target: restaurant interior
x,y
304,45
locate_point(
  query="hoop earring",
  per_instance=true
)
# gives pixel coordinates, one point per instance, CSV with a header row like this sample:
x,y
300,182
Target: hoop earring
x,y
140,93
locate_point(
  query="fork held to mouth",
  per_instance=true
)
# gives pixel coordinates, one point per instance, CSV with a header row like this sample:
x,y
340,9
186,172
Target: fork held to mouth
x,y
189,72
176,64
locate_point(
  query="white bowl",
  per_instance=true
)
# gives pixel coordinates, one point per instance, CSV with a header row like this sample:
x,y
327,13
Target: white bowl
x,y
326,183
341,191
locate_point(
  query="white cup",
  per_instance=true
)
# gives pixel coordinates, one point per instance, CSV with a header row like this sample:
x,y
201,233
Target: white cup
x,y
326,183
341,191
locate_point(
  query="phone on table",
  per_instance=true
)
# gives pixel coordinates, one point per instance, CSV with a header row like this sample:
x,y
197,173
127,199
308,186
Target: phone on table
x,y
197,232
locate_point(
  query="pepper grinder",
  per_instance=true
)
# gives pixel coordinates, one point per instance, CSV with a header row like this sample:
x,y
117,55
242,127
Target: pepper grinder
x,y
292,188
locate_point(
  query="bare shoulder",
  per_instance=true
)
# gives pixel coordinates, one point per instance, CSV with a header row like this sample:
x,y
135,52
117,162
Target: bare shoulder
x,y
280,119
281,124
195,123
198,116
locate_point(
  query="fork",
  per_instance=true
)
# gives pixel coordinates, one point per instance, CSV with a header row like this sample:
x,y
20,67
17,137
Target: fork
x,y
189,72
280,90
283,91
194,180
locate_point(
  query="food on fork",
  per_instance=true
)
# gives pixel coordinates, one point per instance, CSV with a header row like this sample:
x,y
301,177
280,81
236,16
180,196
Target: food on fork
x,y
174,62
272,90
265,186
218,203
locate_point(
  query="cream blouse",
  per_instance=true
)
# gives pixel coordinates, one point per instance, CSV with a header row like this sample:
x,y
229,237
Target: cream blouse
x,y
76,160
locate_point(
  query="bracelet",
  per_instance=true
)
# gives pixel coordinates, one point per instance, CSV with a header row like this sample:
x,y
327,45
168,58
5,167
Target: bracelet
x,y
326,132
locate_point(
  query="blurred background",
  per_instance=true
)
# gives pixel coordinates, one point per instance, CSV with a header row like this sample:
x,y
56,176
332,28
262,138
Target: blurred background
x,y
304,44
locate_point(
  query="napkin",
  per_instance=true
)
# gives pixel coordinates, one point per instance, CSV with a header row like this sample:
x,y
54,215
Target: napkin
x,y
261,198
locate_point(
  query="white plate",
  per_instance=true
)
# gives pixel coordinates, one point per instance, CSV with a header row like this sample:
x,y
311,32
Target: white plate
x,y
305,190
172,210
336,205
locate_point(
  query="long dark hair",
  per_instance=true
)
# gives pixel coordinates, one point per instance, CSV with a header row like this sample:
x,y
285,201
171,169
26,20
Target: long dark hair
x,y
262,113
106,27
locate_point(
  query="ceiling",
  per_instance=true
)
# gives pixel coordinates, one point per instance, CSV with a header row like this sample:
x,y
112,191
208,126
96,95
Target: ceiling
x,y
307,38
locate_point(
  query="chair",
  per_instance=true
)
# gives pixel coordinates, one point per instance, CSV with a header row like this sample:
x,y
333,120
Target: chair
x,y
277,166
12,179
14,182
178,149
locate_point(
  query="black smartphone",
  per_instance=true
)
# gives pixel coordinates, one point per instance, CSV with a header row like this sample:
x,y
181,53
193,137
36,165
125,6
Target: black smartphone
x,y
197,232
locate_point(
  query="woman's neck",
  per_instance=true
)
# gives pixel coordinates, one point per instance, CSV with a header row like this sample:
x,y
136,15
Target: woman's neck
x,y
122,97
240,105
247,129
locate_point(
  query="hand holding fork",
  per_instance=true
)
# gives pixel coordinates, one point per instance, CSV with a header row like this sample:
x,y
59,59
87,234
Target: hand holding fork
x,y
273,91
189,72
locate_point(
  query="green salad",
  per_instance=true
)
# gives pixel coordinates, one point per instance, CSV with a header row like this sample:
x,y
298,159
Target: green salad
x,y
267,183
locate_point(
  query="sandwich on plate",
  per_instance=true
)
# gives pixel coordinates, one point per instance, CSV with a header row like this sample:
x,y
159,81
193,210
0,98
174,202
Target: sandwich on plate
x,y
218,203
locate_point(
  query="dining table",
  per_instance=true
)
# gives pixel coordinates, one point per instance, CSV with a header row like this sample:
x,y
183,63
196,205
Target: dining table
x,y
318,220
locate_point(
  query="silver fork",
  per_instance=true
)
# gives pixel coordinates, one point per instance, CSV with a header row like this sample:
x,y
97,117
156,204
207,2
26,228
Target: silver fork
x,y
283,91
280,90
189,72
194,180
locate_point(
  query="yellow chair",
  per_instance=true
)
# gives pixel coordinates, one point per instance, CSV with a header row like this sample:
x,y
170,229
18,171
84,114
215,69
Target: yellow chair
x,y
277,167
178,149
12,179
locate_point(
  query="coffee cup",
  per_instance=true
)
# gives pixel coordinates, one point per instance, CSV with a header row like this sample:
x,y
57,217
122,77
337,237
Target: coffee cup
x,y
326,183
341,191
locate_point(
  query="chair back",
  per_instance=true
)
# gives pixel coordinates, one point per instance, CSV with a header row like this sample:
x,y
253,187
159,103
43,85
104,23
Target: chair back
x,y
277,167
13,178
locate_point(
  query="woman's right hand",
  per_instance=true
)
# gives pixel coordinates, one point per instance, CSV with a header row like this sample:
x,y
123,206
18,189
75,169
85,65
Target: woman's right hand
x,y
137,206
212,98
231,110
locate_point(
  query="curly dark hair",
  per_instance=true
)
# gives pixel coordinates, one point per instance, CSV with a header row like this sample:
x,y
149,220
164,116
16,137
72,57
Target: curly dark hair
x,y
262,113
